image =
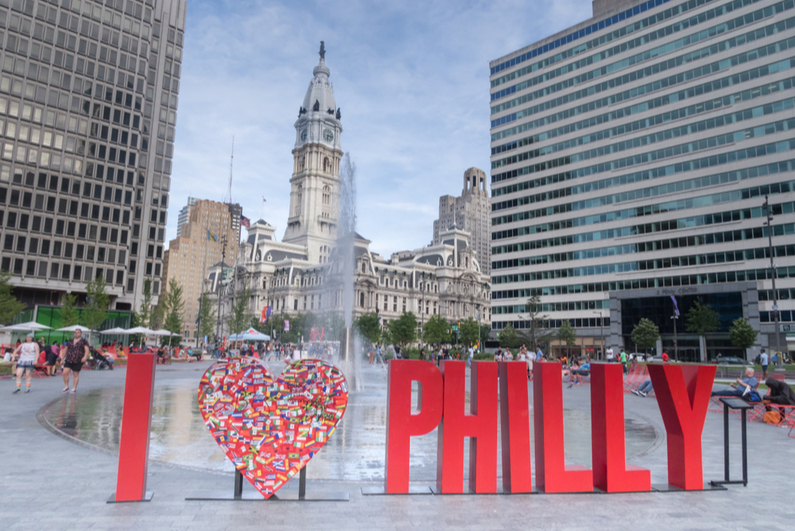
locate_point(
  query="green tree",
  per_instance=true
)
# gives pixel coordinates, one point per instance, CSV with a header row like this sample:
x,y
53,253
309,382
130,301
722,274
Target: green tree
x,y
239,317
485,333
69,315
9,305
436,330
536,333
369,327
95,311
174,307
207,316
469,331
509,338
297,326
702,319
566,334
645,334
742,334
403,330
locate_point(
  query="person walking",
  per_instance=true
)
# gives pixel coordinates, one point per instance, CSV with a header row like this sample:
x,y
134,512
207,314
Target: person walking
x,y
26,354
763,361
52,358
470,356
609,355
75,356
623,358
379,356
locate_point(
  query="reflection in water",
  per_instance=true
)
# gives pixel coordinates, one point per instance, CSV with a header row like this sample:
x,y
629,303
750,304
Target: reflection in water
x,y
354,452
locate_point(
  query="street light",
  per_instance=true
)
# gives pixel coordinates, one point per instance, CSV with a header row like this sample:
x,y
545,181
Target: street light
x,y
601,333
422,312
769,224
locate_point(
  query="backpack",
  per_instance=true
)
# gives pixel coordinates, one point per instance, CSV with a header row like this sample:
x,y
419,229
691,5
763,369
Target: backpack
x,y
772,417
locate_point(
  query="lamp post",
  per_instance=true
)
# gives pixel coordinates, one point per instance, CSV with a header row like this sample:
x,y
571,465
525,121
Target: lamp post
x,y
422,312
769,223
218,286
601,334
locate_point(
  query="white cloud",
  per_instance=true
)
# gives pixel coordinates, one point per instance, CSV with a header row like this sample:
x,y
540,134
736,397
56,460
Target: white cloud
x,y
411,79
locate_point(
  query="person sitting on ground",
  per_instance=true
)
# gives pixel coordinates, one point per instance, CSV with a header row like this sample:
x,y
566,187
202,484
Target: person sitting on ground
x,y
107,357
745,388
645,388
197,354
578,372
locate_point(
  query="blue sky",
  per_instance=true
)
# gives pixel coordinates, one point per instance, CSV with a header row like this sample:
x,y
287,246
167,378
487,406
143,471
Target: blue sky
x,y
411,78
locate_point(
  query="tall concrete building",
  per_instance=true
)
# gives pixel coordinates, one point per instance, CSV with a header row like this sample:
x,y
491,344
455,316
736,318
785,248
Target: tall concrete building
x,y
471,211
631,157
195,250
184,215
88,109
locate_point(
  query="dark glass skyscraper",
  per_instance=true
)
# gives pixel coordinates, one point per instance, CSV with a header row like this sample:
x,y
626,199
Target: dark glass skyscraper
x,y
88,109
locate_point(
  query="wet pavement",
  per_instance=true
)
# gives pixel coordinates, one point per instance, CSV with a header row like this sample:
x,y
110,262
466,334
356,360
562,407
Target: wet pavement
x,y
356,451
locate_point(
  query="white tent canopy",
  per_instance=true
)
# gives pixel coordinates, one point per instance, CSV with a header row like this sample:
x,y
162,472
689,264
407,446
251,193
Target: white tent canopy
x,y
162,333
30,326
73,328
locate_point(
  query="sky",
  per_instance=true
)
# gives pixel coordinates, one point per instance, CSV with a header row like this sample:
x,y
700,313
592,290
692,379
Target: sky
x,y
411,79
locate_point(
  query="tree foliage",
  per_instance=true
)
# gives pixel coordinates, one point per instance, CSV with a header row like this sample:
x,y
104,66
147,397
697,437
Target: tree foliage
x,y
403,330
566,334
509,338
239,316
368,327
9,305
174,307
485,332
645,334
207,316
536,334
742,334
95,311
702,319
69,314
436,330
469,332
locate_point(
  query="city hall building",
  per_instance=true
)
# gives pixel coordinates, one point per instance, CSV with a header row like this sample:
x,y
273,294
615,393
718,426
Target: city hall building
x,y
631,156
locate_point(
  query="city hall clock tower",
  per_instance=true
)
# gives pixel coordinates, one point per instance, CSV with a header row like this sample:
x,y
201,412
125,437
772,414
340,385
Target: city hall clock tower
x,y
315,183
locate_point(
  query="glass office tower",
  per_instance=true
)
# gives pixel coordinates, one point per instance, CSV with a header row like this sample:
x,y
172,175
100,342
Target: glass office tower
x,y
631,157
88,106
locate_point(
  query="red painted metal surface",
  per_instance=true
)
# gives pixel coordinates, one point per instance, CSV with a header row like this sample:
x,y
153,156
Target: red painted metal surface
x,y
401,424
552,474
480,426
683,393
515,427
136,419
610,472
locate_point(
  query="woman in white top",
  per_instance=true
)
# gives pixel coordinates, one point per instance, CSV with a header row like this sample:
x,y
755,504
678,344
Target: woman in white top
x,y
27,353
507,356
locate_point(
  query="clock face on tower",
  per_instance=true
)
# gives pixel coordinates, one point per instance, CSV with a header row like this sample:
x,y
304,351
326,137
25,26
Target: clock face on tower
x,y
303,135
328,136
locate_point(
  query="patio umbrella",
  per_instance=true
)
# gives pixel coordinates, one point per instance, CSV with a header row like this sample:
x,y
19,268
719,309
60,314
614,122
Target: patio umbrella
x,y
114,331
30,326
162,333
73,328
139,330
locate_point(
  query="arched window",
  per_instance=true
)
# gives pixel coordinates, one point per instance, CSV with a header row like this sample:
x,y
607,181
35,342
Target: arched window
x,y
361,299
364,267
299,196
326,165
327,195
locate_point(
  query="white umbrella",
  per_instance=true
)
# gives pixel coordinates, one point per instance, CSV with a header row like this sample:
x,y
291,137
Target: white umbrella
x,y
249,335
73,328
162,333
139,330
114,331
30,326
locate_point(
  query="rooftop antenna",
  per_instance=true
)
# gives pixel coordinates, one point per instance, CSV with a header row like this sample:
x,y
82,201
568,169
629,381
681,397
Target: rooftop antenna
x,y
231,164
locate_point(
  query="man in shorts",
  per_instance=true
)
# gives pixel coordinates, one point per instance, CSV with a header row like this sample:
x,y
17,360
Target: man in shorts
x,y
76,356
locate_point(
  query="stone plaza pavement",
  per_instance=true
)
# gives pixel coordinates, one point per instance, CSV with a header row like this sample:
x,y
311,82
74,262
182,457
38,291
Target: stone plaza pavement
x,y
48,482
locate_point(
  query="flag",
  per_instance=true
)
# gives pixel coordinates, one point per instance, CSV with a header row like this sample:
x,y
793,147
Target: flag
x,y
245,221
286,325
676,306
211,237
266,312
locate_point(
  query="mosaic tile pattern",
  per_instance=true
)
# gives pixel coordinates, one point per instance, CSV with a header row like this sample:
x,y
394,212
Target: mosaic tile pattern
x,y
268,428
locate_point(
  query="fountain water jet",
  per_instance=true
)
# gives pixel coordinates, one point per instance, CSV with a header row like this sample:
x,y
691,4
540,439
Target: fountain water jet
x,y
345,254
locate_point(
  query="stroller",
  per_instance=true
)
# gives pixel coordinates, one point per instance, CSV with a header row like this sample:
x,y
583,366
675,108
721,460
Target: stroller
x,y
99,361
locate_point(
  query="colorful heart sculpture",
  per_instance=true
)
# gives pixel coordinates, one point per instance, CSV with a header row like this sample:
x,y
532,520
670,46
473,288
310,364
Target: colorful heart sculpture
x,y
271,429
